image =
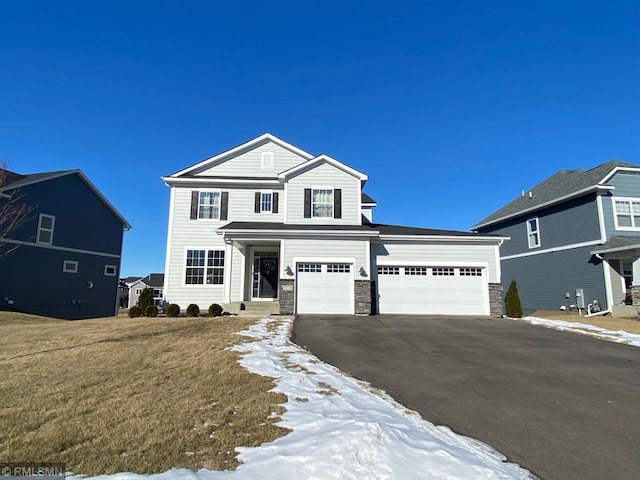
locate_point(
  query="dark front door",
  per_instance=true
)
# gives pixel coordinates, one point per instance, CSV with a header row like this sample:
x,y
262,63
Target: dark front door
x,y
268,277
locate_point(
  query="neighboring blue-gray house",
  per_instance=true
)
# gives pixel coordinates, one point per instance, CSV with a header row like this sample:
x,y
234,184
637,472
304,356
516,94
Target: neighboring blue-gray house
x,y
64,260
578,229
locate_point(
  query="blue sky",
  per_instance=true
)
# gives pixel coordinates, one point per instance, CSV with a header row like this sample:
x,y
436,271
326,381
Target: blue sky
x,y
451,108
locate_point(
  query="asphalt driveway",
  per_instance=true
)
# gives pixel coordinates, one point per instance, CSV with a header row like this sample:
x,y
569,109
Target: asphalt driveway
x,y
562,405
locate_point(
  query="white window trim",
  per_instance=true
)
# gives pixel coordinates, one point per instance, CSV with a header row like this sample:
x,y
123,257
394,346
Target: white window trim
x,y
42,229
107,267
615,214
70,266
205,284
530,233
333,213
267,161
210,190
263,192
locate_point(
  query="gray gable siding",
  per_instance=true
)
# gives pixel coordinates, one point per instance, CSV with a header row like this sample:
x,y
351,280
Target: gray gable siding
x,y
628,186
83,221
543,280
33,279
575,221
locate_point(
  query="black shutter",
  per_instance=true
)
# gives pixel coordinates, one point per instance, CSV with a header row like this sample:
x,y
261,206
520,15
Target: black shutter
x,y
337,203
307,203
194,204
274,208
257,202
224,205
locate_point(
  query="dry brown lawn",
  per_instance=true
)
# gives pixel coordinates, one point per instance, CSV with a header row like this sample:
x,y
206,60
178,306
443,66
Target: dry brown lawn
x,y
607,321
139,395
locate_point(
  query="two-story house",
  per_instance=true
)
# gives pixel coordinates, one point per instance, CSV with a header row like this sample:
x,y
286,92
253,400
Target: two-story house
x,y
154,281
576,230
63,261
267,221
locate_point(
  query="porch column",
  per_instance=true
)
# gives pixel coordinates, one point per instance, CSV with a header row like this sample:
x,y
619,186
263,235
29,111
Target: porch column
x,y
228,265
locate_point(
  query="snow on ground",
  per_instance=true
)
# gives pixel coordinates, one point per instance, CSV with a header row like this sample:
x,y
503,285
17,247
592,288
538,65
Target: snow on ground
x,y
618,336
342,429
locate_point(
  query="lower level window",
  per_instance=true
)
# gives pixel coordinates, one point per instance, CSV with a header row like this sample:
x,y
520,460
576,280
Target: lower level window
x,y
70,266
204,267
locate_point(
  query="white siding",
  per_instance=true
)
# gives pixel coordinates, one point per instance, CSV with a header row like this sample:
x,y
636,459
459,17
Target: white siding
x,y
242,206
324,175
457,254
325,249
249,164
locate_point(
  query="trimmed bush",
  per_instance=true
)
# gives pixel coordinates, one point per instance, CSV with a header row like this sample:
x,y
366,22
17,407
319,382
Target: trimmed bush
x,y
151,311
512,301
193,310
172,310
215,310
135,311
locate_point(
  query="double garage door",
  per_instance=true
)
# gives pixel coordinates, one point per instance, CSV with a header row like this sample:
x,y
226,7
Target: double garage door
x,y
432,290
324,288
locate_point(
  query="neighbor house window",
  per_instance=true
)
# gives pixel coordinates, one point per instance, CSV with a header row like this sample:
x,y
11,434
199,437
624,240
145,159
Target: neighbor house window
x,y
533,232
70,266
110,270
204,267
627,213
322,202
45,229
139,291
209,205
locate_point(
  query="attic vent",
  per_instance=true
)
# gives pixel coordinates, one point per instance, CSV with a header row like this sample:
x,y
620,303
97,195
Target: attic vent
x,y
267,160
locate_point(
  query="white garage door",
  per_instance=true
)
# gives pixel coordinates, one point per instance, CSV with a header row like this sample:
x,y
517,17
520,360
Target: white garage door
x,y
432,290
324,288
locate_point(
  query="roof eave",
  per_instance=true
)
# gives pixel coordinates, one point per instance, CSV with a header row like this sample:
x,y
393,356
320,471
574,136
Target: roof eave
x,y
608,176
579,193
170,181
449,238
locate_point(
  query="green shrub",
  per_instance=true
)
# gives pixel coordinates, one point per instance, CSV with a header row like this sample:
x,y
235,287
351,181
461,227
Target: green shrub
x,y
173,310
512,301
193,310
145,299
135,311
215,310
151,311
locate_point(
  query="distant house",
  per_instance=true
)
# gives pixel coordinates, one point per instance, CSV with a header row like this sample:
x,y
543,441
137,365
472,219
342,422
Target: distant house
x,y
123,290
576,230
64,261
266,224
154,281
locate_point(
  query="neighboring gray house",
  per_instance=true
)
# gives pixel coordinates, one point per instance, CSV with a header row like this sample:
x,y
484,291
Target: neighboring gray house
x,y
578,229
123,291
154,281
268,222
68,253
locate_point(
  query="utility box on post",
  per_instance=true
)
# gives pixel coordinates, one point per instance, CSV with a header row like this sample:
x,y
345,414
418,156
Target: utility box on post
x,y
580,298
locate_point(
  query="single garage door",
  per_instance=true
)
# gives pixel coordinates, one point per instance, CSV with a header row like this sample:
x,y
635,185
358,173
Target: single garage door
x,y
324,288
432,290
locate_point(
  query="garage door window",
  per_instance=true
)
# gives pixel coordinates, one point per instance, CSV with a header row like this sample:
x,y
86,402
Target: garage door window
x,y
338,268
309,267
470,272
443,271
388,270
415,270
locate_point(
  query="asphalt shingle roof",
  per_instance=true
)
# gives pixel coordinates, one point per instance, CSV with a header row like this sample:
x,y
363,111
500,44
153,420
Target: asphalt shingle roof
x,y
154,280
558,185
619,243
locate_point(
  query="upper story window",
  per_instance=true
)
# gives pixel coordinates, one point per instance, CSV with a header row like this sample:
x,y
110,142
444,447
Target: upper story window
x,y
627,213
322,202
267,161
209,205
533,232
266,202
45,228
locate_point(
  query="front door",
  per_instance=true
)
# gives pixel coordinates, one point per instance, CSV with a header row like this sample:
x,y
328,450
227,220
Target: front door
x,y
265,277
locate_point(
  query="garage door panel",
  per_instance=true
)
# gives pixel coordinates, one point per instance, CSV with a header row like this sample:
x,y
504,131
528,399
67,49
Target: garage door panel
x,y
324,288
443,290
